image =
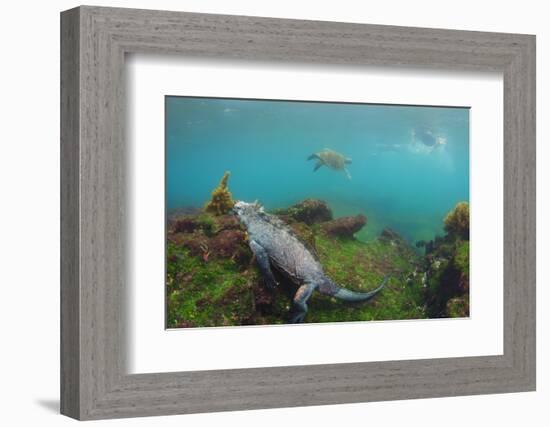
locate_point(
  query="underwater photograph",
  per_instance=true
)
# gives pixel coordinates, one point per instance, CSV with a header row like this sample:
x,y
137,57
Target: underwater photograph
x,y
285,212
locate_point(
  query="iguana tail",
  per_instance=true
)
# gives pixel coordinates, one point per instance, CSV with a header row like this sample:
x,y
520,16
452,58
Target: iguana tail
x,y
346,295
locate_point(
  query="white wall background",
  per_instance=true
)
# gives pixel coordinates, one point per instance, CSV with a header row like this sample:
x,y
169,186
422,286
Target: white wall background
x,y
29,214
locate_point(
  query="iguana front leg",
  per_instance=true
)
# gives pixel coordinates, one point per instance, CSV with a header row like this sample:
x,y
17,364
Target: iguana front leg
x,y
299,308
262,258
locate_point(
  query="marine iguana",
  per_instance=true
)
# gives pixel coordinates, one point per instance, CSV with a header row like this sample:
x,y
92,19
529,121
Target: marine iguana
x,y
273,244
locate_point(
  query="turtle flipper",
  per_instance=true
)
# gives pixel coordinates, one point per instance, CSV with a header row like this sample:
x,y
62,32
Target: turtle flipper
x,y
318,165
314,156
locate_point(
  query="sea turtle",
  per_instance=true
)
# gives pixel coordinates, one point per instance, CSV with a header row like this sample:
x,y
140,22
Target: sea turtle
x,y
332,160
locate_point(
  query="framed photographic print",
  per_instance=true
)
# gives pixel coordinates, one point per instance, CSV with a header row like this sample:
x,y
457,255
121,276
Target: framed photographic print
x,y
291,190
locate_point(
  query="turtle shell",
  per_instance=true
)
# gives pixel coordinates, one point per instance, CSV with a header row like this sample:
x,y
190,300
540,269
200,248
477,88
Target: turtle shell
x,y
333,159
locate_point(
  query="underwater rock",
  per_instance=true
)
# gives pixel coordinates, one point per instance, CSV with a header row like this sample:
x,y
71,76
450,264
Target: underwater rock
x,y
227,243
212,280
227,222
231,244
346,226
196,243
447,267
191,223
464,283
428,249
420,244
185,324
458,307
389,235
263,300
461,261
457,222
209,224
305,234
308,211
184,225
448,280
222,201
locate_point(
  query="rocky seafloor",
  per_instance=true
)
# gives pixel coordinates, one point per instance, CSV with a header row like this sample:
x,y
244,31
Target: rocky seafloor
x,y
212,278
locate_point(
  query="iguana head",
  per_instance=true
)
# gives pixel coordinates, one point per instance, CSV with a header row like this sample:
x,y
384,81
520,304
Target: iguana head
x,y
247,211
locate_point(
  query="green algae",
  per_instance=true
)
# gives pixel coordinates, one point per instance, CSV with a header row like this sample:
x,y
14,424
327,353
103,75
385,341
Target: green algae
x,y
212,278
361,267
462,257
221,291
457,221
448,280
458,307
200,293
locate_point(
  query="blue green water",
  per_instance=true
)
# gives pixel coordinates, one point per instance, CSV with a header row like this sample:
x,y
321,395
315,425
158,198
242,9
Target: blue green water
x,y
410,164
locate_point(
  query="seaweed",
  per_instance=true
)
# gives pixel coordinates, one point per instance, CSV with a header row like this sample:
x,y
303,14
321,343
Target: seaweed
x,y
457,222
212,278
221,201
448,267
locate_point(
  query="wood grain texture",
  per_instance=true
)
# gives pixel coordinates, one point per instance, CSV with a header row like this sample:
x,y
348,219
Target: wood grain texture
x,y
70,259
94,382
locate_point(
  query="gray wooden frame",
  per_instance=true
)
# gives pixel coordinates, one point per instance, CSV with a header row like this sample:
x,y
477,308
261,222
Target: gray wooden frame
x,y
94,41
